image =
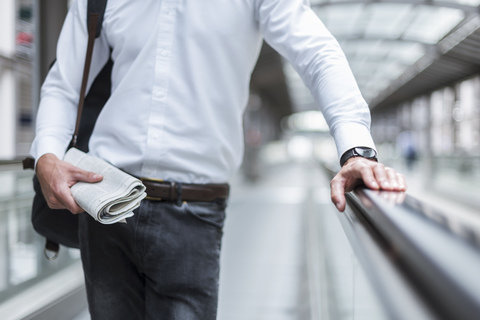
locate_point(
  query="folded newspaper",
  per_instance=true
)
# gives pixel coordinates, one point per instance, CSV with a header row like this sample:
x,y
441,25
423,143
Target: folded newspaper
x,y
111,200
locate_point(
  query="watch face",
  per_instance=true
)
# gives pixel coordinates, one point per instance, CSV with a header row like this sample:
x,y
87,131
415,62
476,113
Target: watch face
x,y
366,152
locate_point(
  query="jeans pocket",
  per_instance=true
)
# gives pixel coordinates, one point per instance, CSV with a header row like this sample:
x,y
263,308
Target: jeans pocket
x,y
212,213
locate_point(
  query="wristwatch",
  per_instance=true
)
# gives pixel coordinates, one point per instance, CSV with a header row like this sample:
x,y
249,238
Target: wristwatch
x,y
363,152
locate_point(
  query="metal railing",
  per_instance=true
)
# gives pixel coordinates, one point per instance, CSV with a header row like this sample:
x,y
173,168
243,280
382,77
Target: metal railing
x,y
422,263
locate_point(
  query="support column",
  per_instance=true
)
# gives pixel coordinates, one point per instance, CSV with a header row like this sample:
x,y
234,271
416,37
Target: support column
x,y
428,164
51,14
49,17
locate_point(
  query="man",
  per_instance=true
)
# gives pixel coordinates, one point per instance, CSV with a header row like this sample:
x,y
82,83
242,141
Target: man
x,y
179,87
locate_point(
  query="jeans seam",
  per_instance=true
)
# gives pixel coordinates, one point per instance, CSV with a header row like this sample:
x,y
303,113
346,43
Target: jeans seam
x,y
136,249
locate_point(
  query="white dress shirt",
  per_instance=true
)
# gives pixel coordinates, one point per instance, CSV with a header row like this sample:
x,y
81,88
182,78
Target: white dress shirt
x,y
180,83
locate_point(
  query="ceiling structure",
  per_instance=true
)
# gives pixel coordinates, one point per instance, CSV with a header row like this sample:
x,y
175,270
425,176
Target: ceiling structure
x,y
399,48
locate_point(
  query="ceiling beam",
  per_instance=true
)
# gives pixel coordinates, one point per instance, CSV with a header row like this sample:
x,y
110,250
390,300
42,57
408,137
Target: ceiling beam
x,y
447,53
440,4
374,38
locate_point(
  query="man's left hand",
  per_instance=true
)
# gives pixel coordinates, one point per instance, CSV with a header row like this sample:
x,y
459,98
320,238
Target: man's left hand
x,y
357,171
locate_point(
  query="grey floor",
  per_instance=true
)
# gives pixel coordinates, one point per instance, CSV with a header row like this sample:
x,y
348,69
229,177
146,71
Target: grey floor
x,y
263,250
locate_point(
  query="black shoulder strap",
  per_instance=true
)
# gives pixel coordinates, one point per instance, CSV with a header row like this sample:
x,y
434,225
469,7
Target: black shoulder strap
x,y
96,6
92,27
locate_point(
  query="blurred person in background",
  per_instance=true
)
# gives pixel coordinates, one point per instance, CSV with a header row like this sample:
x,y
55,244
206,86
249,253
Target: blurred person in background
x,y
180,84
408,148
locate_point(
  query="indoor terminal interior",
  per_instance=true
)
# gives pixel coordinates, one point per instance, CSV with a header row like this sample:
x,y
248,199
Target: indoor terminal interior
x,y
287,253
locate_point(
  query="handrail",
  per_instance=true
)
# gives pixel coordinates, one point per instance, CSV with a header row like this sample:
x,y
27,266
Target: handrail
x,y
8,162
435,261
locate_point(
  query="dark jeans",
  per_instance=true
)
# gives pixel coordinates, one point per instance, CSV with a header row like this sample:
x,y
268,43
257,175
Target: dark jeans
x,y
162,264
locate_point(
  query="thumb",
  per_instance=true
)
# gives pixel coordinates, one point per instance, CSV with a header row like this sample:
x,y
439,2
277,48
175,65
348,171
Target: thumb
x,y
338,194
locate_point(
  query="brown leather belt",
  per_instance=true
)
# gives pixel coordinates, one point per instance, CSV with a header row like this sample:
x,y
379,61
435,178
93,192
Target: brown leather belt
x,y
160,190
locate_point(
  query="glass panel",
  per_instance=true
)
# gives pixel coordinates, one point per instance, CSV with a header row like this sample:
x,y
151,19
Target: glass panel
x,y
406,53
369,49
366,68
462,2
341,19
348,293
383,61
375,85
389,71
21,249
431,24
387,20
381,40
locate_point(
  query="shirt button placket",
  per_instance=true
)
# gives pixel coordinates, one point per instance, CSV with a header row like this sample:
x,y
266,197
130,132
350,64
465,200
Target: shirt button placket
x,y
155,148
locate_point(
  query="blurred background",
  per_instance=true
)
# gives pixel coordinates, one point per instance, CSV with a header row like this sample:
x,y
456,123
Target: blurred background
x,y
417,63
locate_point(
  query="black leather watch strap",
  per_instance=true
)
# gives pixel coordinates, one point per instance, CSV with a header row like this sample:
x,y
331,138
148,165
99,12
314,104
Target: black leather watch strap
x,y
364,152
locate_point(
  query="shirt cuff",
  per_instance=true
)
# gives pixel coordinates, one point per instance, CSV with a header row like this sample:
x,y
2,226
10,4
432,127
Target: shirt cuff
x,y
48,145
351,135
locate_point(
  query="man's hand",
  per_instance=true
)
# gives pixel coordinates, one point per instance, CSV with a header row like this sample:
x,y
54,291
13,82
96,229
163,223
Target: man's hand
x,y
357,171
56,177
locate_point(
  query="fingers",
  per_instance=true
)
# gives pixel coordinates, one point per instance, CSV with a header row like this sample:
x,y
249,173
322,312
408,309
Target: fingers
x,y
372,174
389,179
56,177
63,199
382,177
85,176
345,181
369,177
402,183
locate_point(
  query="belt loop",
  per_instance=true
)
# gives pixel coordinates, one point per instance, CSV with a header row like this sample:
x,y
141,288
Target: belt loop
x,y
179,194
171,196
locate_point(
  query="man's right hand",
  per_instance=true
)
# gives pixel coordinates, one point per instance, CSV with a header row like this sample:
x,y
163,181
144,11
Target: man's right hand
x,y
56,177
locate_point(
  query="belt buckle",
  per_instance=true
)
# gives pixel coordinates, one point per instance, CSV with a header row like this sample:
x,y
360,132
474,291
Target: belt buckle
x,y
152,180
171,184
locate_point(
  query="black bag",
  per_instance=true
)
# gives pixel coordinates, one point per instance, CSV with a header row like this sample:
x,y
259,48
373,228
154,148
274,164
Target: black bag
x,y
61,226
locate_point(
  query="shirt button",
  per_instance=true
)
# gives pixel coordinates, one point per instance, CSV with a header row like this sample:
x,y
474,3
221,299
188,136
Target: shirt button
x,y
164,53
158,93
155,136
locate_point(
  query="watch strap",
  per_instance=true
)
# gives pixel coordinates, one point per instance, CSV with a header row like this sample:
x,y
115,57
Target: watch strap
x,y
364,152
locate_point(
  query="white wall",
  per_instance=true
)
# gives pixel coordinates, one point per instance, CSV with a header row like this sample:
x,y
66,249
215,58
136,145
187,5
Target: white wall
x,y
7,80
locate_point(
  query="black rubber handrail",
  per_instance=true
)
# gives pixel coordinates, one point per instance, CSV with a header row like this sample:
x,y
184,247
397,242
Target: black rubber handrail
x,y
442,264
437,255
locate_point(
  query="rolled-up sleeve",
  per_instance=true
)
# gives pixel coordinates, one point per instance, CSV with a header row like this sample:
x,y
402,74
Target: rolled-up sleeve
x,y
295,31
57,111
